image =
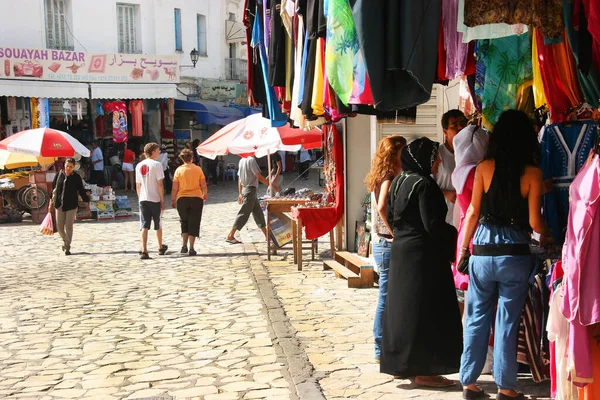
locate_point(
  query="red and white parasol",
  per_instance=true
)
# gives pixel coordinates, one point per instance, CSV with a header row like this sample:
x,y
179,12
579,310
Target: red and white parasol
x,y
44,142
254,135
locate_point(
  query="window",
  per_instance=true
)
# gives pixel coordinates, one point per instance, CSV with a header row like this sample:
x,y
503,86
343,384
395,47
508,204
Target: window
x,y
127,28
58,33
201,20
232,16
178,44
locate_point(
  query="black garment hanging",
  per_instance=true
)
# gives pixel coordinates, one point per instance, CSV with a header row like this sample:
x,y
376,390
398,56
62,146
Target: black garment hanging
x,y
277,41
399,39
309,76
256,84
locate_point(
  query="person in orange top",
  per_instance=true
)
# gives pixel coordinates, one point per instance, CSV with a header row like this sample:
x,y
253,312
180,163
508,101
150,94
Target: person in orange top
x,y
188,195
128,171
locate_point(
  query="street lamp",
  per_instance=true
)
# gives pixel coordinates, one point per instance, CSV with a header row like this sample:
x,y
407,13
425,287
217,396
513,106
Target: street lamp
x,y
194,56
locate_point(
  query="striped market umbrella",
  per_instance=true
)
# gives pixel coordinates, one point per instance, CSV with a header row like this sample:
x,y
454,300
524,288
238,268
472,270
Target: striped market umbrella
x,y
44,142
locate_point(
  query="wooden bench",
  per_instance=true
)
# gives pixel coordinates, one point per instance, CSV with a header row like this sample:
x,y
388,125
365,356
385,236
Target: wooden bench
x,y
358,271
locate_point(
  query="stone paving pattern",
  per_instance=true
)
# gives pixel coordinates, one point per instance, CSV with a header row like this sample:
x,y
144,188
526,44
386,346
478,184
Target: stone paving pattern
x,y
227,324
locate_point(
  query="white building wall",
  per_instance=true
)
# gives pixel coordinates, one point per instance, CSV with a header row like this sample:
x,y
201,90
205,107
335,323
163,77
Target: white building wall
x,y
94,26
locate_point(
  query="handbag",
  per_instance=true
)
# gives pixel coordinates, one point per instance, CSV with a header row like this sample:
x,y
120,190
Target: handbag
x,y
55,190
463,266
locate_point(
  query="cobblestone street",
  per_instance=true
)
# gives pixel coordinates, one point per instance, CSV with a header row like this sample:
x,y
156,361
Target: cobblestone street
x,y
227,324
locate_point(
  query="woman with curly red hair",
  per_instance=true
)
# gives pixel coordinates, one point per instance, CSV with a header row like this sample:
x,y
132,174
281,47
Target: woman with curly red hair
x,y
384,168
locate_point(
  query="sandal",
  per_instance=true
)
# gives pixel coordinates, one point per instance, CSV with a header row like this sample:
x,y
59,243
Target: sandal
x,y
434,381
233,241
184,250
192,253
163,250
145,256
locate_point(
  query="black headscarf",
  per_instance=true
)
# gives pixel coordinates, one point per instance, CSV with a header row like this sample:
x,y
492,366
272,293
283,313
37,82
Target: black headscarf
x,y
418,157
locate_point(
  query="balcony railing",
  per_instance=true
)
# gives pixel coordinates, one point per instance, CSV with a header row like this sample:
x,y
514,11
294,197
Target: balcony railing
x,y
236,69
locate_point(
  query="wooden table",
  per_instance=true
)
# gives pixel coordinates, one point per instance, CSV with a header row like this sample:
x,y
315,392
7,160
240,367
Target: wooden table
x,y
276,205
298,244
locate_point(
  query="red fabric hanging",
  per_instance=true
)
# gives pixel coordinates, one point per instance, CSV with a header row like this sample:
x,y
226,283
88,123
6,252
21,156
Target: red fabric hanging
x,y
319,221
441,63
558,70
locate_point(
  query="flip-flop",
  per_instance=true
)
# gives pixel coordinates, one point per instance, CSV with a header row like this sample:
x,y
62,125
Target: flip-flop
x,y
233,241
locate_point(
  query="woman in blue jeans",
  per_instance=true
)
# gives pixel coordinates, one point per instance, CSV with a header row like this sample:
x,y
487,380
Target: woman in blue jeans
x,y
384,168
507,202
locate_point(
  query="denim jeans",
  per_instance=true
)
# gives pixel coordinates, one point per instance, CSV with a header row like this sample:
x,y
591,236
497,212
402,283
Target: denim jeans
x,y
504,279
382,251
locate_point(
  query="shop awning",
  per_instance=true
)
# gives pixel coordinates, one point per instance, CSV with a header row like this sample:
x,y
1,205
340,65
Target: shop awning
x,y
210,112
235,32
133,91
51,90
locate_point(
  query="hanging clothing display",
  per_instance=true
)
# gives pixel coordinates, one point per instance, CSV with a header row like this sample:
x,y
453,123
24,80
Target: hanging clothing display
x,y
532,347
581,262
545,15
398,51
67,112
11,104
507,67
99,108
488,31
100,126
79,109
136,109
276,47
565,148
557,68
538,84
456,50
589,80
558,334
343,54
274,109
592,390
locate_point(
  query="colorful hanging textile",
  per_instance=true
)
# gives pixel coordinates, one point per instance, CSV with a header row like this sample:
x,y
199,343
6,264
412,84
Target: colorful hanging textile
x,y
456,50
565,149
557,68
275,114
489,31
342,49
589,79
546,15
318,84
508,66
538,85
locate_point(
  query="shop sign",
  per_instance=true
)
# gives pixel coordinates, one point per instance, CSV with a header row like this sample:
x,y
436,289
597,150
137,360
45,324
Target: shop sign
x,y
78,66
224,91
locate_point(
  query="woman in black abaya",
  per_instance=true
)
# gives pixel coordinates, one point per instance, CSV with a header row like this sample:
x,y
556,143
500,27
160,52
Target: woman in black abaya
x,y
422,331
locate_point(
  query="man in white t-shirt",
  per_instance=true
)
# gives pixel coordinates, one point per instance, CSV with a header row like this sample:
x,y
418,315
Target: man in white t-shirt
x,y
452,122
249,175
97,173
149,177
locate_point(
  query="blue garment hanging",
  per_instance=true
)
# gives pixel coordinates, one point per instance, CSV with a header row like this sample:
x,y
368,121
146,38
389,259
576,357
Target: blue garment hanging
x,y
278,118
565,149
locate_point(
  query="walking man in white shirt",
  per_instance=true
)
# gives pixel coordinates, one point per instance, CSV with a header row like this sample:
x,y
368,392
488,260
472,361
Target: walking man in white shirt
x,y
249,176
151,193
